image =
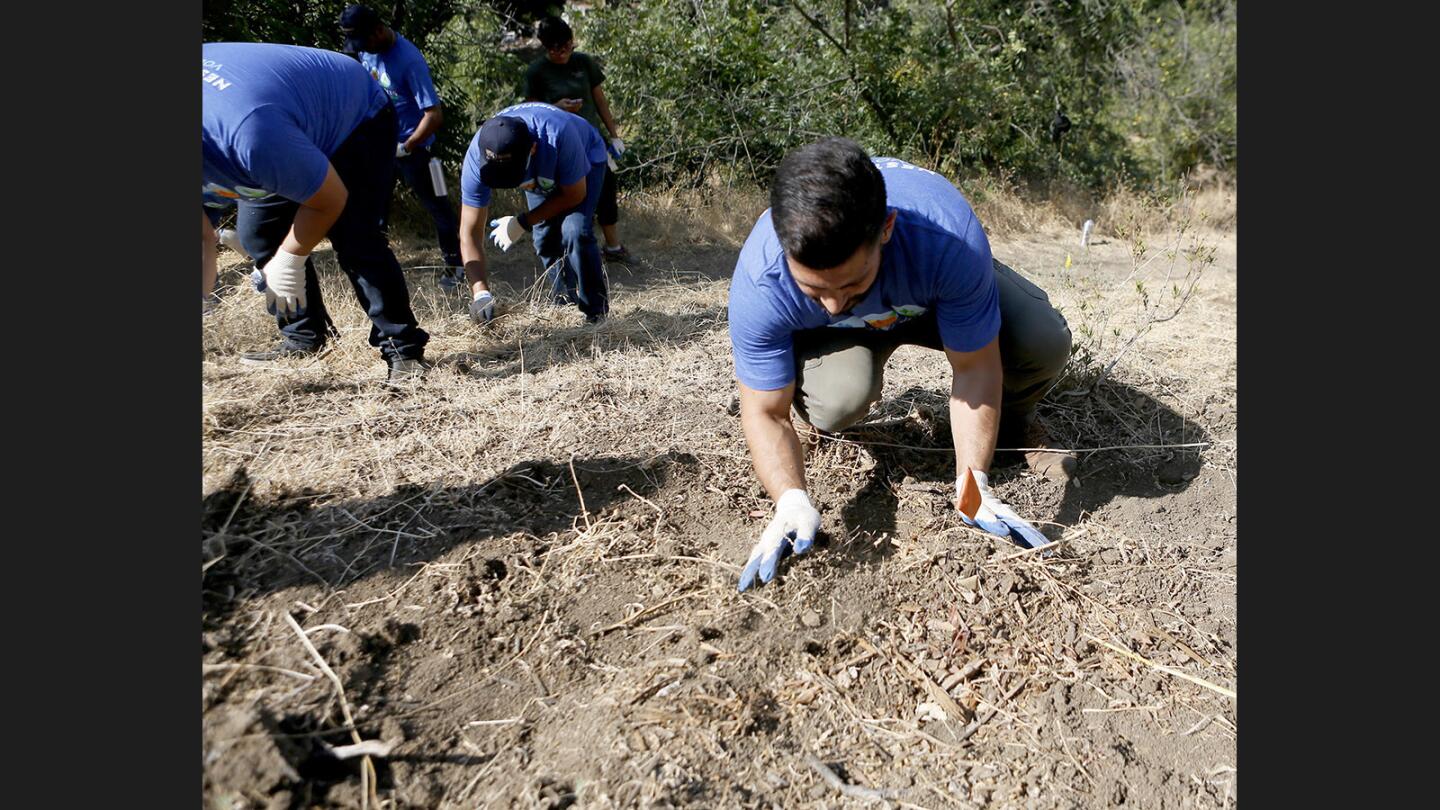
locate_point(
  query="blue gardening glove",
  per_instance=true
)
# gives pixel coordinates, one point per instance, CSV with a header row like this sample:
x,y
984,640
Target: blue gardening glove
x,y
482,309
792,528
995,517
617,147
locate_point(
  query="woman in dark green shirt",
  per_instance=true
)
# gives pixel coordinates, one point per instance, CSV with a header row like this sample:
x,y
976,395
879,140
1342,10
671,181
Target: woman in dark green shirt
x,y
571,81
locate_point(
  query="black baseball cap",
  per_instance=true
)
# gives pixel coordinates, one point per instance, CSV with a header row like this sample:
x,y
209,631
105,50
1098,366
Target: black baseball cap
x,y
505,145
358,22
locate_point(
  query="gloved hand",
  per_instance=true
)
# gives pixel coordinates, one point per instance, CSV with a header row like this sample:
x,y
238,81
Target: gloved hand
x,y
617,145
283,282
231,239
482,309
995,517
508,231
401,151
792,528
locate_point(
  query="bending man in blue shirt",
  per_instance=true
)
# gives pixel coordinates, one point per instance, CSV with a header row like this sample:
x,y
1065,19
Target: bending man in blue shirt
x,y
401,69
854,258
303,141
559,160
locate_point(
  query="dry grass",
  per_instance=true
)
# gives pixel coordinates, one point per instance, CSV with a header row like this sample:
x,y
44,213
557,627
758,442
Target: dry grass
x,y
603,470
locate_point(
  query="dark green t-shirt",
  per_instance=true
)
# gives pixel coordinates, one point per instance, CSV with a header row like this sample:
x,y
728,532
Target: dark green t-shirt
x,y
549,82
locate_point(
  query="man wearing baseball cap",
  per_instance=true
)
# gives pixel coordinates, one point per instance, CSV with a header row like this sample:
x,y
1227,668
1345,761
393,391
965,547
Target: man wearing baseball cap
x,y
401,69
302,140
558,159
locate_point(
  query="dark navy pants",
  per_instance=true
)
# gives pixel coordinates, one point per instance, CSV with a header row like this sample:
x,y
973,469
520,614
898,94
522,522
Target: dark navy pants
x,y
366,165
567,245
415,168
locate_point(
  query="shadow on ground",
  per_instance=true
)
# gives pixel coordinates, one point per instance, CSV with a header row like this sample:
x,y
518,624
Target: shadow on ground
x,y
1115,414
253,548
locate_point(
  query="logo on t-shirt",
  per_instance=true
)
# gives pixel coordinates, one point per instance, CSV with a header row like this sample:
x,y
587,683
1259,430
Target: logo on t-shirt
x,y
383,77
883,320
234,194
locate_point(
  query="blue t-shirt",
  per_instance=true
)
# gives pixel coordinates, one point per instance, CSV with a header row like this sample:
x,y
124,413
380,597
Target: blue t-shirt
x,y
937,259
405,76
271,116
569,149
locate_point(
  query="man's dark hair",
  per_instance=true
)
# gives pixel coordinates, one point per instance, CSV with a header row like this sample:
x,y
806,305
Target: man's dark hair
x,y
828,199
553,31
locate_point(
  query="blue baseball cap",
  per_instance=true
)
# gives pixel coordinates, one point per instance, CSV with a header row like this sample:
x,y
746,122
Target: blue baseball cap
x,y
505,144
358,23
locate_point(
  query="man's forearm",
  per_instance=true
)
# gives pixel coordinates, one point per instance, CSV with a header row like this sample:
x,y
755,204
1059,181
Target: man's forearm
x,y
554,206
473,255
974,419
775,452
429,125
310,226
603,107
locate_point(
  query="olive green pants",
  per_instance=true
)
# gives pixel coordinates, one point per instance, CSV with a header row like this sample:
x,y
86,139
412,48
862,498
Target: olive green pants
x,y
840,372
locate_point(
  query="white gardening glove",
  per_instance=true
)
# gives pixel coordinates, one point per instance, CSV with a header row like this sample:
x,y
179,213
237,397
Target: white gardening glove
x,y
792,528
618,145
482,309
997,518
282,279
231,239
508,231
401,151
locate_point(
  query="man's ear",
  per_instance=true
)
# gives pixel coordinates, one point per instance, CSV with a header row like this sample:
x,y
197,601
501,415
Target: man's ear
x,y
889,226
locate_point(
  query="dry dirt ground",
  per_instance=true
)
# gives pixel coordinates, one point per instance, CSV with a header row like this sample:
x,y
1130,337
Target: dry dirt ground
x,y
521,570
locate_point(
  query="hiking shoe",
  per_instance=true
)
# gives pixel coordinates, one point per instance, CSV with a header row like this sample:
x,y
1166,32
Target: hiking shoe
x,y
452,278
407,369
619,254
285,351
1043,458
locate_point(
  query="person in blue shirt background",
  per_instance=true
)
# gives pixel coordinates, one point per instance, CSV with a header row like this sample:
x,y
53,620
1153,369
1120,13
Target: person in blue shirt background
x,y
854,258
302,141
560,162
401,69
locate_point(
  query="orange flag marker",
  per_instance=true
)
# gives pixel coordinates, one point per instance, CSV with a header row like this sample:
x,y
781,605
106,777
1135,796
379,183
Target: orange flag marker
x,y
969,502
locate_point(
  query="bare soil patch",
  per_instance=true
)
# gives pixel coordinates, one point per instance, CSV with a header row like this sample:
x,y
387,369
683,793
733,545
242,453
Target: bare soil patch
x,y
523,567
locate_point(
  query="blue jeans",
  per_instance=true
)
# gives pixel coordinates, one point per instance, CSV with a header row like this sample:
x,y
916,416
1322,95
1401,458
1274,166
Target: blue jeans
x,y
366,164
572,246
416,170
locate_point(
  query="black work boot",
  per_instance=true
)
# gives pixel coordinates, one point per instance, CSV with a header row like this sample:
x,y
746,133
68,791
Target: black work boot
x,y
407,369
284,351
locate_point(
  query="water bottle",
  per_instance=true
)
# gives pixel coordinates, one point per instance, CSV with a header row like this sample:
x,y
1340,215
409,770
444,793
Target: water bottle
x,y
437,177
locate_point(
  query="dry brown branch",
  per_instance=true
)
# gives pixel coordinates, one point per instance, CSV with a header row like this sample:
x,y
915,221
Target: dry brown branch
x,y
853,791
367,768
991,712
1230,693
650,611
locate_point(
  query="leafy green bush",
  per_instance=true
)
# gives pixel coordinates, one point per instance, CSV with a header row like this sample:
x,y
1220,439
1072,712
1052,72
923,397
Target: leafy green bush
x,y
720,90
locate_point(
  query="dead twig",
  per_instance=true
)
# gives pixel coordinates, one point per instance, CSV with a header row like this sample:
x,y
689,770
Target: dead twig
x,y
846,789
984,718
578,493
1230,693
367,768
646,612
